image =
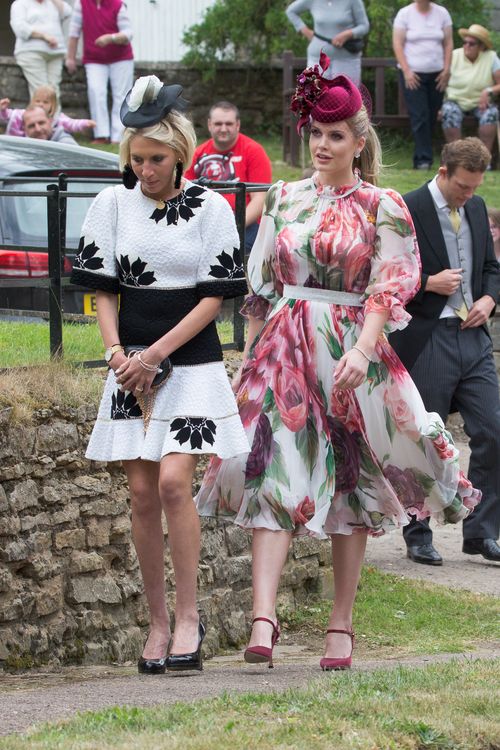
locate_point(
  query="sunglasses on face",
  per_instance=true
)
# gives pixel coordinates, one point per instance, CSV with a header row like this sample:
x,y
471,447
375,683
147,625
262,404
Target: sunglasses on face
x,y
470,44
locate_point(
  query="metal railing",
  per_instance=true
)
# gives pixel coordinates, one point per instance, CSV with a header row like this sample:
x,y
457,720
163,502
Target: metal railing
x,y
57,195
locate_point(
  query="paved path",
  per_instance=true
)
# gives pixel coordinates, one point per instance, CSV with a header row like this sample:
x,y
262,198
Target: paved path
x,y
60,696
458,571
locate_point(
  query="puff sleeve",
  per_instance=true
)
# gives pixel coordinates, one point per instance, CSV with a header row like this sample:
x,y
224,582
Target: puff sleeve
x,y
395,266
265,290
95,264
220,270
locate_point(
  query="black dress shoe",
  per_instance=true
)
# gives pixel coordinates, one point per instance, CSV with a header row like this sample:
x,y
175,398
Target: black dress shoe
x,y
151,666
194,660
488,548
425,554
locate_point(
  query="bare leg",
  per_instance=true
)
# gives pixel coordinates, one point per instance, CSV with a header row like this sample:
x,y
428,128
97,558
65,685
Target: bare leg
x,y
269,552
347,554
488,133
452,134
176,478
149,544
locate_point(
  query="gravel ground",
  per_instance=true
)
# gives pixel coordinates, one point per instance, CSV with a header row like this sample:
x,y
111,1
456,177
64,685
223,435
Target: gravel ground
x,y
60,696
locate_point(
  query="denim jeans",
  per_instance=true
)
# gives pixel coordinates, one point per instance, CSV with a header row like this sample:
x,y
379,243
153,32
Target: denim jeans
x,y
423,106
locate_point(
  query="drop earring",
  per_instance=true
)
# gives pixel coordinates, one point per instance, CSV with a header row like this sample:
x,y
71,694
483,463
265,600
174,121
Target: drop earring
x,y
129,178
179,169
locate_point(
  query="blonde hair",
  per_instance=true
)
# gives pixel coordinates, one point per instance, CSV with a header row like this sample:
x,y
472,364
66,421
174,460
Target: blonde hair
x,y
175,131
370,159
51,94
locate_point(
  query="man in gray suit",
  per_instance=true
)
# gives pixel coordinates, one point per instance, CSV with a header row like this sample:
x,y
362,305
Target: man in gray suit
x,y
447,347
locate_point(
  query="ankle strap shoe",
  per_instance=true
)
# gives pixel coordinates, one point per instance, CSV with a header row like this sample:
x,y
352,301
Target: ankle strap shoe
x,y
328,664
262,654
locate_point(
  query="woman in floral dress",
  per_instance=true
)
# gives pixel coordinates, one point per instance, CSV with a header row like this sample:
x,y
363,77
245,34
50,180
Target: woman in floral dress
x,y
341,443
171,250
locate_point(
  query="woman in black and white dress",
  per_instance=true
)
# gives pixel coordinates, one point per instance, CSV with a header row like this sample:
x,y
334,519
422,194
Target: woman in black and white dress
x,y
170,249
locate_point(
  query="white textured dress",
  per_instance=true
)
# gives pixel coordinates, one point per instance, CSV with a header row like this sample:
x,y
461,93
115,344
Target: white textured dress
x,y
162,261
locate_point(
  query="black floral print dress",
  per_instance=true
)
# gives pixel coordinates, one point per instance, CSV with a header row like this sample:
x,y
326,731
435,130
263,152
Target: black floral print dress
x,y
162,259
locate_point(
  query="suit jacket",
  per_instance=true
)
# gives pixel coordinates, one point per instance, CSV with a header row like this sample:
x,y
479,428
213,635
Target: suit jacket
x,y
426,307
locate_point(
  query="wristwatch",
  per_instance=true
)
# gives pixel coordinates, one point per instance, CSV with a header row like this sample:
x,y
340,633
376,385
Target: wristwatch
x,y
489,90
109,353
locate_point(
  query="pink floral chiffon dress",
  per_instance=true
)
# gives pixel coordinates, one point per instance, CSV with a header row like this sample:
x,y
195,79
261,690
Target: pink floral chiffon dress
x,y
325,461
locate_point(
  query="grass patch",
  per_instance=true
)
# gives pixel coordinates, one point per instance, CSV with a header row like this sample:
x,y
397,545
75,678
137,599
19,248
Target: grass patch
x,y
46,385
398,171
394,616
441,707
23,344
27,344
40,383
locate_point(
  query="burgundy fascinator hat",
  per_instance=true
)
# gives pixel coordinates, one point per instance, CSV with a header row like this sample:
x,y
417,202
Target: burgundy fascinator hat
x,y
326,99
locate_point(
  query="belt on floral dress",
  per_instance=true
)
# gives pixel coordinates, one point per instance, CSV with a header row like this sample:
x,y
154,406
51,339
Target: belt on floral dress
x,y
329,296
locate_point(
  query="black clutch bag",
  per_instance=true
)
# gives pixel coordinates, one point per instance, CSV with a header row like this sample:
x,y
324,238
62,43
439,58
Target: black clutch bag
x,y
352,45
163,373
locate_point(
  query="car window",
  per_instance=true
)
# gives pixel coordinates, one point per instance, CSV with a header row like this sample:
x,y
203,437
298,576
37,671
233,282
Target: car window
x,y
24,218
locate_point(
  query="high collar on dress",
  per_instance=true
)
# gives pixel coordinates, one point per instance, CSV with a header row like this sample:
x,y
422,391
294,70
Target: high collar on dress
x,y
340,191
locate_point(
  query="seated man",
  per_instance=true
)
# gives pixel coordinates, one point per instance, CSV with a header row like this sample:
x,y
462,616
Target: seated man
x,y
474,81
230,156
37,124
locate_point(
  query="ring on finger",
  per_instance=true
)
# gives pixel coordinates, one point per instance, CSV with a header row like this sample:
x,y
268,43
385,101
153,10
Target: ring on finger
x,y
139,390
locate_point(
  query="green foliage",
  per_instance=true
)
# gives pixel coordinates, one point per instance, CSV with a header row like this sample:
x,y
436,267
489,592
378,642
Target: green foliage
x,y
257,31
243,30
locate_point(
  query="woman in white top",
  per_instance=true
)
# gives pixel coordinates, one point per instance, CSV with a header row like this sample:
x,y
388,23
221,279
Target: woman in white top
x,y
40,45
423,43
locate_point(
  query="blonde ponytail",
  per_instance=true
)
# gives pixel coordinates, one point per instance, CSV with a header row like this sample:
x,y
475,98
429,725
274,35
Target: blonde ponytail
x,y
370,159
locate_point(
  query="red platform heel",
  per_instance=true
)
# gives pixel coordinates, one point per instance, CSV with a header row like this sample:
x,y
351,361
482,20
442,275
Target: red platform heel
x,y
328,664
261,654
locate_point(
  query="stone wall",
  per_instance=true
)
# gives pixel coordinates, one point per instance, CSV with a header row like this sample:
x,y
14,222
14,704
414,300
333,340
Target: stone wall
x,y
70,587
260,103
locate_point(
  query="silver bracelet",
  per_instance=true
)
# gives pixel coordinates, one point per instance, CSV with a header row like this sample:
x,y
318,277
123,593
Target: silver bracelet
x,y
146,365
365,355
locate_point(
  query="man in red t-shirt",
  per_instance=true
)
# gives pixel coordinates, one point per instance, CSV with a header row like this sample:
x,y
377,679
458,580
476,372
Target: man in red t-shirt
x,y
230,156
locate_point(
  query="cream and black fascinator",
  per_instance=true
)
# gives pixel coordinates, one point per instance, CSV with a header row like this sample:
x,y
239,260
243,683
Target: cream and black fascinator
x,y
149,101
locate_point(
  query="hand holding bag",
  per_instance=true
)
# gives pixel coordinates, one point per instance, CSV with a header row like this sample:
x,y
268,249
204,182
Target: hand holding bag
x,y
147,402
352,45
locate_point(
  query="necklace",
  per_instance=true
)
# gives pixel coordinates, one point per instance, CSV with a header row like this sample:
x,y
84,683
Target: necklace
x,y
162,202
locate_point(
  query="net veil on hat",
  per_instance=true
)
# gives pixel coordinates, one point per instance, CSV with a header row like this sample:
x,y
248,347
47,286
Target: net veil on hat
x,y
326,99
149,101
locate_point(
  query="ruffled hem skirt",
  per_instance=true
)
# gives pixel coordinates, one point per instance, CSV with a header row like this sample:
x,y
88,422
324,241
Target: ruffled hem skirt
x,y
325,461
194,412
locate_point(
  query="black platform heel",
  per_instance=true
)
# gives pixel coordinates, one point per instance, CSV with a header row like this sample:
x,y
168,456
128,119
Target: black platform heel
x,y
152,666
194,660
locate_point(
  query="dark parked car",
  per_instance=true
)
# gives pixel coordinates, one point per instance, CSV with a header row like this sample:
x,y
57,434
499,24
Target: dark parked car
x,y
23,219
